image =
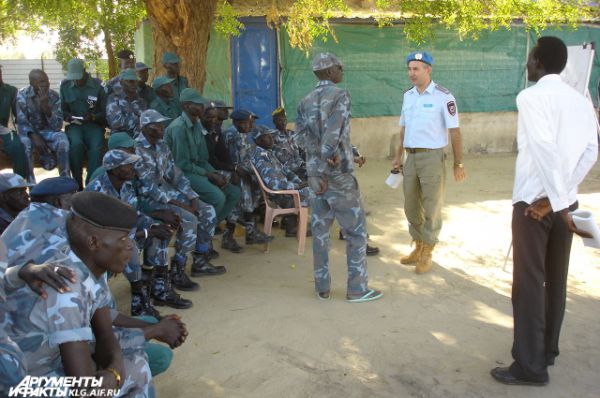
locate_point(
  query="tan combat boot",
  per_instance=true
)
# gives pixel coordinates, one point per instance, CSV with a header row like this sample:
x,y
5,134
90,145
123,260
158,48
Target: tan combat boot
x,y
425,262
415,255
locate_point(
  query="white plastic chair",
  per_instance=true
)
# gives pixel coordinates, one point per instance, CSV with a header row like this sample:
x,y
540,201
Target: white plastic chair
x,y
272,211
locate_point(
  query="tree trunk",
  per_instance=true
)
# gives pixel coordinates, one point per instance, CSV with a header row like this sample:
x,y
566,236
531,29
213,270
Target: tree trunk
x,y
110,53
182,27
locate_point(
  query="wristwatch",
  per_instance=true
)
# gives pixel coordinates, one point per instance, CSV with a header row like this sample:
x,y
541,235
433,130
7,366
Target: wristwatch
x,y
459,165
116,374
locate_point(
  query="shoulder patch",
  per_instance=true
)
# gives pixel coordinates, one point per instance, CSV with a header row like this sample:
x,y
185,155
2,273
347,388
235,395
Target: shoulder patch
x,y
451,105
442,89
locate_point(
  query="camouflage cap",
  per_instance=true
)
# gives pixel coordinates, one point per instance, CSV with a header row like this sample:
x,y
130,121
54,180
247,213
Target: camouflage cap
x,y
139,66
422,56
55,186
151,116
324,61
192,95
75,69
120,139
128,74
161,81
11,181
103,211
261,130
116,157
170,58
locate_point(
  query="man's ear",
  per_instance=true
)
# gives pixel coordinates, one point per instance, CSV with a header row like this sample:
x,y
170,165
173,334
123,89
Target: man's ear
x,y
92,242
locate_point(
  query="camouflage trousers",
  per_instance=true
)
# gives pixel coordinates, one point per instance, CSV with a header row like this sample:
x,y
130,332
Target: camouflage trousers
x,y
12,364
287,201
58,143
342,202
195,228
133,269
249,199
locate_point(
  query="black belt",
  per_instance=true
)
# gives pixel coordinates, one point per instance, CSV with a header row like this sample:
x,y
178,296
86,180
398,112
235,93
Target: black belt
x,y
416,150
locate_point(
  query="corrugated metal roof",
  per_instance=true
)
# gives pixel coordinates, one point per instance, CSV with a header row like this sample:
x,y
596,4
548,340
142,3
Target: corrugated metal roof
x,y
16,71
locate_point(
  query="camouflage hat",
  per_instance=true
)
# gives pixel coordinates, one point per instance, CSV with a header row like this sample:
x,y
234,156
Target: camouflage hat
x,y
170,58
75,69
261,130
140,66
55,186
120,139
324,61
116,157
11,181
151,116
192,95
103,211
161,81
128,74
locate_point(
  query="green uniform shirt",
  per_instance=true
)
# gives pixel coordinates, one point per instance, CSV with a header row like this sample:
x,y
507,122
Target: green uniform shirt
x,y
8,94
179,84
77,101
170,109
187,144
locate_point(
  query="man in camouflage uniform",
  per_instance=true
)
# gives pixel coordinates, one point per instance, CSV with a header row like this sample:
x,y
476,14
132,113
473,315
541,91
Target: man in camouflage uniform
x,y
285,147
144,90
83,103
123,109
117,140
151,235
13,197
163,186
39,123
11,144
172,64
324,121
236,140
165,102
63,331
126,61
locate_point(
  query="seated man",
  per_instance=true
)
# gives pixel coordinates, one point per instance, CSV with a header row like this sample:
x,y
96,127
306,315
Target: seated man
x,y
144,90
123,109
237,140
117,140
97,232
13,198
39,123
218,154
83,104
163,186
165,102
152,235
185,138
9,141
285,148
277,176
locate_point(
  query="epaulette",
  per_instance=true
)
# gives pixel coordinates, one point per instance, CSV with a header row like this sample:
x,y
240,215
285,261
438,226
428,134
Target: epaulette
x,y
408,89
442,89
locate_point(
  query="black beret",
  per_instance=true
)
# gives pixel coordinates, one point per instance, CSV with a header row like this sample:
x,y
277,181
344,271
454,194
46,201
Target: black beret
x,y
55,186
125,54
104,211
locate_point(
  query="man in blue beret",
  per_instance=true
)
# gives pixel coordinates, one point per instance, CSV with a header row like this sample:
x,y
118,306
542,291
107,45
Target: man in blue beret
x,y
429,112
172,64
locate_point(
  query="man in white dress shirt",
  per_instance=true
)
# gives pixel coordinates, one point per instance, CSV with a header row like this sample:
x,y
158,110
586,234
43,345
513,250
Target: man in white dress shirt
x,y
557,147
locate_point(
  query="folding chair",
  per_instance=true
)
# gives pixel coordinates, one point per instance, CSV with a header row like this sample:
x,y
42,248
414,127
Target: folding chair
x,y
272,211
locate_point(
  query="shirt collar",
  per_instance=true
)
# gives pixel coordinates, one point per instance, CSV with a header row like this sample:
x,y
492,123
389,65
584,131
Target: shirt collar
x,y
322,83
429,90
186,119
550,78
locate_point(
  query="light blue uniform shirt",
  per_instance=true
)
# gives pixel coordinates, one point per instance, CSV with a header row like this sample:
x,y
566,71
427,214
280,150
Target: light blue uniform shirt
x,y
427,117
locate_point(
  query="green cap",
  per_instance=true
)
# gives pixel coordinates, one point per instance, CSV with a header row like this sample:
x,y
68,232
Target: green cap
x,y
120,139
170,58
128,74
75,69
192,95
161,81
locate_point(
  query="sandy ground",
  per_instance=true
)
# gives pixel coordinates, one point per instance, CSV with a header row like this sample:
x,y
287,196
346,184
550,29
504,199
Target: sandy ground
x,y
259,331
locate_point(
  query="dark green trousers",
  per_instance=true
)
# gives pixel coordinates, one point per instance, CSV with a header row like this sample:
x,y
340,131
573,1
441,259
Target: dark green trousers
x,y
11,144
85,139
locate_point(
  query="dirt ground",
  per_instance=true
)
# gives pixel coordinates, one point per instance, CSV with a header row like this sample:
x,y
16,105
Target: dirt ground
x,y
259,331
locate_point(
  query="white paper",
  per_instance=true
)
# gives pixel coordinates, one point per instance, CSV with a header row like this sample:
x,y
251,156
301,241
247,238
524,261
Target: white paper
x,y
394,180
584,220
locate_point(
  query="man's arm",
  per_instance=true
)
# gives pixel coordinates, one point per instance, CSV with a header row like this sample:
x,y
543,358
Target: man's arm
x,y
459,169
397,164
24,126
55,122
181,152
108,351
332,128
590,154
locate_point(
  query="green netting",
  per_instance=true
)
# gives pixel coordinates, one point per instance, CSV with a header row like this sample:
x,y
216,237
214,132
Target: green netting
x,y
218,68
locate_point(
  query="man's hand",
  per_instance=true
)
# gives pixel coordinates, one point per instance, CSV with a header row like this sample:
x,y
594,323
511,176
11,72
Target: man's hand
x,y
360,160
539,209
333,161
167,216
217,179
459,173
170,330
109,382
183,206
160,231
318,184
571,224
39,144
397,165
51,274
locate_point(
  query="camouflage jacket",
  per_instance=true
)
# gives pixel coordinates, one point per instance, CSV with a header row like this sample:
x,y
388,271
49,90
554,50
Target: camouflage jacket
x,y
323,121
123,114
160,179
29,116
274,174
286,149
239,146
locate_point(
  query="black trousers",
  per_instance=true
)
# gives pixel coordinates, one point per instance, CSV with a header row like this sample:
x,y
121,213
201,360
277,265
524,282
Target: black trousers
x,y
541,251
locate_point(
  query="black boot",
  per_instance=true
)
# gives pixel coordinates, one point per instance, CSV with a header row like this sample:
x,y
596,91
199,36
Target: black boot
x,y
163,293
291,226
212,253
140,301
254,236
202,267
179,279
228,242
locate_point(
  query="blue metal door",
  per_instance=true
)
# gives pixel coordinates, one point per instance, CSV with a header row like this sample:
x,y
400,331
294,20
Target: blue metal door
x,y
255,72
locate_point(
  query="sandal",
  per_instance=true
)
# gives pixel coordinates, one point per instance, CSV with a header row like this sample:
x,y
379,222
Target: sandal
x,y
370,295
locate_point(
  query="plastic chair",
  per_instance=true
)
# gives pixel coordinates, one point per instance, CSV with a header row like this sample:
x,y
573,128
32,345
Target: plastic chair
x,y
272,211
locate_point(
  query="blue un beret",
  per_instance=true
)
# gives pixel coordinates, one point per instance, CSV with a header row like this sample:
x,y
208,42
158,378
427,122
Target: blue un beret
x,y
422,56
241,114
55,186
